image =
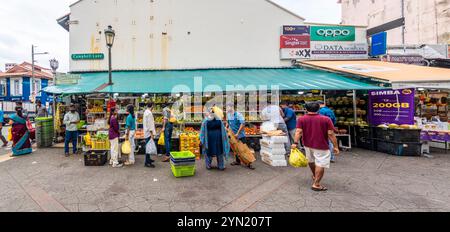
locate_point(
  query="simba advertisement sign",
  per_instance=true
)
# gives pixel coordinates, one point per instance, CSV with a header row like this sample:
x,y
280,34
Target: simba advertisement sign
x,y
391,107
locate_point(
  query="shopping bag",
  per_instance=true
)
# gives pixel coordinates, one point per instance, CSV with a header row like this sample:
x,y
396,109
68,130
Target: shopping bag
x,y
161,141
126,148
298,159
150,148
10,134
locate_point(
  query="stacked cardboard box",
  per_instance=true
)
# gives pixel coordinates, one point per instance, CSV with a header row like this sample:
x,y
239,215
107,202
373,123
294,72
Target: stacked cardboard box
x,y
273,151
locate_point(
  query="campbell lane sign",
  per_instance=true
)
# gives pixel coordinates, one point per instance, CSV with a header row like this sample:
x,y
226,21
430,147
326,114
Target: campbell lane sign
x,y
333,33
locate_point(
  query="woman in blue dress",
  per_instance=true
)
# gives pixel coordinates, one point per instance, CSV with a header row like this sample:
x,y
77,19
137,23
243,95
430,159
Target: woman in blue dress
x,y
214,139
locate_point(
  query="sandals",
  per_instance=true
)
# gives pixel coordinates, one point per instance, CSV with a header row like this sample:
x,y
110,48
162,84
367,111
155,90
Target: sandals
x,y
235,164
251,167
321,189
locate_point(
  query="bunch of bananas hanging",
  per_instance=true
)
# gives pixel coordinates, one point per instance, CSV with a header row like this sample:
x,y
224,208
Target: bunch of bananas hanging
x,y
58,118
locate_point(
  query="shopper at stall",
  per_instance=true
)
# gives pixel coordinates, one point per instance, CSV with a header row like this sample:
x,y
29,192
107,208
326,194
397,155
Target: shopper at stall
x,y
275,115
130,134
149,134
20,134
316,131
167,130
2,121
327,112
214,139
236,122
114,134
290,119
41,111
71,119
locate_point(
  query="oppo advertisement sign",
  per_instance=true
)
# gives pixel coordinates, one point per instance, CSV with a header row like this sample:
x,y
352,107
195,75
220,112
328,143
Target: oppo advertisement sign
x,y
332,33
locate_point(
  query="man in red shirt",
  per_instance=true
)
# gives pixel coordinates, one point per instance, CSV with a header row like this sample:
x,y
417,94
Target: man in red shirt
x,y
316,131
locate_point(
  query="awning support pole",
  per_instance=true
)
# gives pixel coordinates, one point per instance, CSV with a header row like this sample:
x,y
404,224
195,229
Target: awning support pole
x,y
355,114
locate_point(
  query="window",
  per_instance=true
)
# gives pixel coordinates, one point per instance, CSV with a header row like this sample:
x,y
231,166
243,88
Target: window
x,y
36,87
3,90
16,87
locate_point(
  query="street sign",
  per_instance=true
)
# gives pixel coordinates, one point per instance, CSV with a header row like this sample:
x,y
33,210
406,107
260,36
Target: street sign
x,y
379,44
333,33
67,79
89,56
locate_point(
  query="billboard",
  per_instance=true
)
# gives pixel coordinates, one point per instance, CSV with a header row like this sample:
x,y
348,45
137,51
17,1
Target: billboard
x,y
295,53
296,30
338,51
379,44
391,107
333,33
295,41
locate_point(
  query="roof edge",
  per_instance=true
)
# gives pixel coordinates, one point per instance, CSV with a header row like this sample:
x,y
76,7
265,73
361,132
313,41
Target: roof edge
x,y
285,9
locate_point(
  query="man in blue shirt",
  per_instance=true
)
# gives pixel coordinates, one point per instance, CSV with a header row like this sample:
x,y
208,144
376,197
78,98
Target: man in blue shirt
x,y
291,120
236,122
325,111
5,143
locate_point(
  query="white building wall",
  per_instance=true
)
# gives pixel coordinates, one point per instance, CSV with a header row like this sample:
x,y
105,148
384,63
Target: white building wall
x,y
200,33
427,21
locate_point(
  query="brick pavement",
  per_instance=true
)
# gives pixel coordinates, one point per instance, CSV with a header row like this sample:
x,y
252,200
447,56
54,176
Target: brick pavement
x,y
360,181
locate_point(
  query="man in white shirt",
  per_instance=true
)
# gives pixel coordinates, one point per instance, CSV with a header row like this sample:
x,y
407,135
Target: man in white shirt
x,y
274,114
149,134
71,119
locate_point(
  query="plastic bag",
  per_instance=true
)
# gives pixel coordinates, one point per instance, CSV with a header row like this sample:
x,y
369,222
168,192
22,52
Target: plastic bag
x,y
150,148
126,148
298,159
161,141
10,134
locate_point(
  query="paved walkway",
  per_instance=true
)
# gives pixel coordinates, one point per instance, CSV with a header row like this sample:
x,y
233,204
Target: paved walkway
x,y
360,181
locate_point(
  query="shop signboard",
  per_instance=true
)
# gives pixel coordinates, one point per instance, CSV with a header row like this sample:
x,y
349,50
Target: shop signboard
x,y
295,41
295,53
88,56
67,79
391,107
338,51
296,30
333,33
379,44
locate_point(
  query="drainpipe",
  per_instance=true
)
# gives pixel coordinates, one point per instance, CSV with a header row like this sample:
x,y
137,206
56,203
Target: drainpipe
x,y
403,27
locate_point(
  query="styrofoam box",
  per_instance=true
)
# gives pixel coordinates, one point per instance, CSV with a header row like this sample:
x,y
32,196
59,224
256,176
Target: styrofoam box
x,y
280,152
277,139
272,157
269,144
275,163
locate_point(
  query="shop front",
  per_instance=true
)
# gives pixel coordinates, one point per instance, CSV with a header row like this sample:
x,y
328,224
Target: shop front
x,y
192,92
418,101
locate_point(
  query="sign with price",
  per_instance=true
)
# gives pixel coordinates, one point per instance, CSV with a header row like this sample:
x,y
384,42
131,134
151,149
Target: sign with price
x,y
391,107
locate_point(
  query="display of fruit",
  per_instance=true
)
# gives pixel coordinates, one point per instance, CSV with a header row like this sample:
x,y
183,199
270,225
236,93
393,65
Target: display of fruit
x,y
393,126
252,131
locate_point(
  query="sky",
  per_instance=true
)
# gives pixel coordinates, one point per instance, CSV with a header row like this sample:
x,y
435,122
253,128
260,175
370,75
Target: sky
x,y
27,22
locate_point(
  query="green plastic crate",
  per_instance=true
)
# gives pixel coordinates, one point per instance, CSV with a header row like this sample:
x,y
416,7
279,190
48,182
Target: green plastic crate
x,y
183,155
183,171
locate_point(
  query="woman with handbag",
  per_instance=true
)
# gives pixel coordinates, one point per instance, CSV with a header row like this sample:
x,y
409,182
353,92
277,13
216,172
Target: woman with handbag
x,y
167,130
131,132
114,134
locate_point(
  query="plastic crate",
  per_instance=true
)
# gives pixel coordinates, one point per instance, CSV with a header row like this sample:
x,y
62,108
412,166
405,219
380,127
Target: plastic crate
x,y
365,143
399,149
183,171
182,155
95,158
397,135
103,145
364,132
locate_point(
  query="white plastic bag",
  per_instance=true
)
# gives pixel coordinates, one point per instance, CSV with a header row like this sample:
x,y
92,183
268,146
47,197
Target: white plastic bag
x,y
150,148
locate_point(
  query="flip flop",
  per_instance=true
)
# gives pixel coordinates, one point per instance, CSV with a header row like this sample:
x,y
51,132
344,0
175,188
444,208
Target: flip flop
x,y
321,189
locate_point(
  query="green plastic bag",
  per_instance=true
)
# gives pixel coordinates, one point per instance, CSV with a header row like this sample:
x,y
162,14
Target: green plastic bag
x,y
298,159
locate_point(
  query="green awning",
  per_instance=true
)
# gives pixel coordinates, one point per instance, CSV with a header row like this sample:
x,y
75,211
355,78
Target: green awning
x,y
212,80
